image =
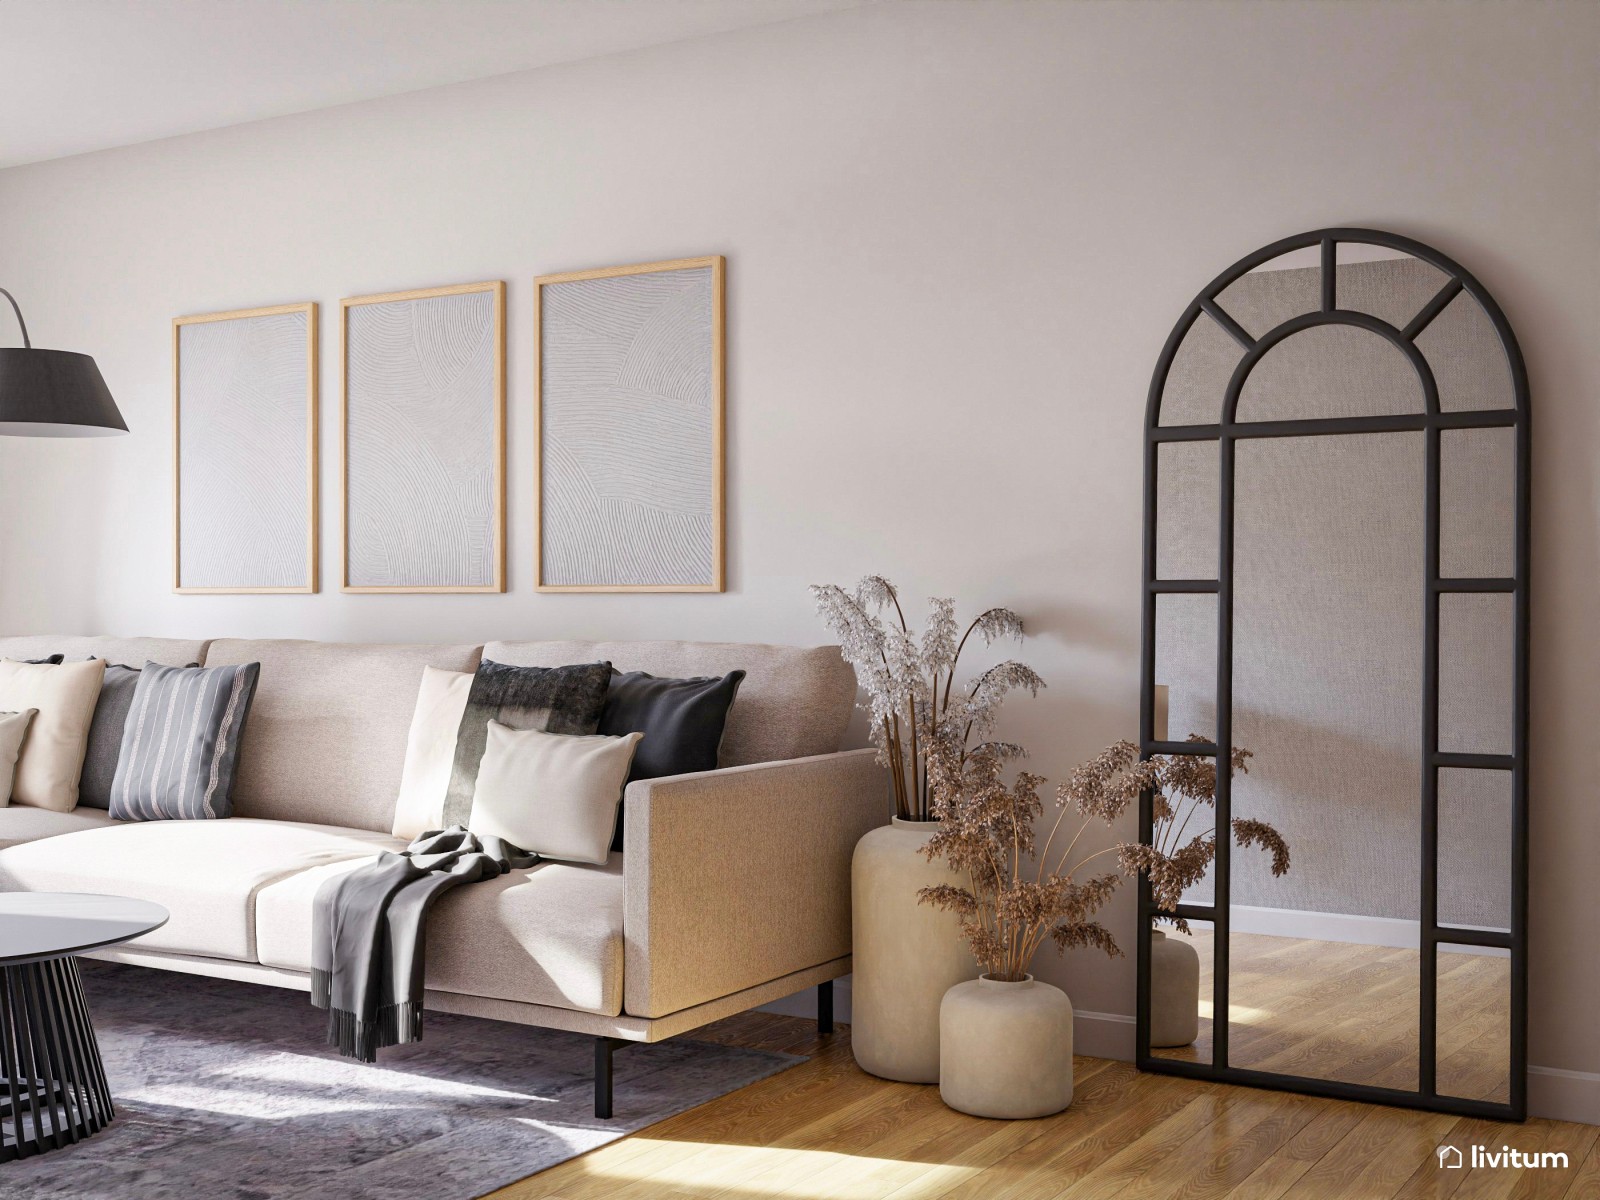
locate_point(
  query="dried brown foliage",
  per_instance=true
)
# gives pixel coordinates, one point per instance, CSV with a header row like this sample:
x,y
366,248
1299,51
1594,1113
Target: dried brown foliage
x,y
1179,785
1016,898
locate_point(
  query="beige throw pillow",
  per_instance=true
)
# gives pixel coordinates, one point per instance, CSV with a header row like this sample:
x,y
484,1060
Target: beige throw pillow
x,y
430,751
13,728
555,794
52,753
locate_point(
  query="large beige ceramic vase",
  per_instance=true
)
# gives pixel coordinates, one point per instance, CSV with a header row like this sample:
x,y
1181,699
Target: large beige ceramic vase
x,y
1174,991
907,955
1005,1048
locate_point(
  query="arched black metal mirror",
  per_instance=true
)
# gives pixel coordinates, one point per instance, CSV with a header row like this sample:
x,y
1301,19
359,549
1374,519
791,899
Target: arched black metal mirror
x,y
1336,578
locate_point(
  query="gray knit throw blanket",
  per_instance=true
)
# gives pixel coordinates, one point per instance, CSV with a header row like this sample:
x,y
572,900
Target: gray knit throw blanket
x,y
367,939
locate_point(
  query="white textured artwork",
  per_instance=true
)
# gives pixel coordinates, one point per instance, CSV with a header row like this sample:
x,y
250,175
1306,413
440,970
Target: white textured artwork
x,y
243,414
629,415
422,449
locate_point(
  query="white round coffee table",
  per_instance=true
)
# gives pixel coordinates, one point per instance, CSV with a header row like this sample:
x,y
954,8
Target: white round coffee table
x,y
52,1086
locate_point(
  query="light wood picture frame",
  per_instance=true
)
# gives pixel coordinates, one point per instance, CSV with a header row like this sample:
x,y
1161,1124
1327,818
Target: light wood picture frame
x,y
422,440
629,417
248,410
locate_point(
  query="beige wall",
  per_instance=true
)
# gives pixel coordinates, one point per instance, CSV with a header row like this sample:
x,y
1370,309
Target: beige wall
x,y
957,237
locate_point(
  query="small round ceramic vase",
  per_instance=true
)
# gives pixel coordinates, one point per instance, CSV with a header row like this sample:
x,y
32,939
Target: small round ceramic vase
x,y
1005,1048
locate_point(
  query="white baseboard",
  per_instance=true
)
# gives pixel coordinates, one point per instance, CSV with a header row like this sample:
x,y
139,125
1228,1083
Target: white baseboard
x,y
1342,927
1564,1095
1103,1035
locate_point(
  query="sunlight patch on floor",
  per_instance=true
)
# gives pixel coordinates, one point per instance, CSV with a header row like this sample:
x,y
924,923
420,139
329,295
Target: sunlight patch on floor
x,y
1239,1014
767,1170
275,1086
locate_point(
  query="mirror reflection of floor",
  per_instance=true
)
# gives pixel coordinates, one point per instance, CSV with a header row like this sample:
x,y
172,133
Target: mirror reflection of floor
x,y
1337,1010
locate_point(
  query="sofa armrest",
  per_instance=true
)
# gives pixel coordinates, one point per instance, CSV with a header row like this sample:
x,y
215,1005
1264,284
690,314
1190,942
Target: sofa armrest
x,y
740,876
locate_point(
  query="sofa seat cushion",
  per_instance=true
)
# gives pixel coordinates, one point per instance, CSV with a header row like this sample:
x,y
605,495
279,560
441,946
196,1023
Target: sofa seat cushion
x,y
206,873
549,935
20,824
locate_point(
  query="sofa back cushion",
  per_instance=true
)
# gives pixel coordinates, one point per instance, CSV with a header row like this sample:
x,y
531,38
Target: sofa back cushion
x,y
326,740
130,652
795,700
63,698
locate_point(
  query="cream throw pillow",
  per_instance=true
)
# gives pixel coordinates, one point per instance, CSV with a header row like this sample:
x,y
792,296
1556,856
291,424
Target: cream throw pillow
x,y
555,794
52,753
430,751
13,728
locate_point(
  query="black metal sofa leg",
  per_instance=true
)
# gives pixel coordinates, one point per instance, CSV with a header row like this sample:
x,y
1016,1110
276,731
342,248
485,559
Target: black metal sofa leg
x,y
604,1047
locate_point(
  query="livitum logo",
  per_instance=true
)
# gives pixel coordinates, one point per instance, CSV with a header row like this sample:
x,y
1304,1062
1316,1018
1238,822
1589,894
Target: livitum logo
x,y
1483,1156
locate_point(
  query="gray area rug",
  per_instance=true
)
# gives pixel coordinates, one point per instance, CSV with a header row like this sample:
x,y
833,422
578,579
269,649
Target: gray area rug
x,y
225,1091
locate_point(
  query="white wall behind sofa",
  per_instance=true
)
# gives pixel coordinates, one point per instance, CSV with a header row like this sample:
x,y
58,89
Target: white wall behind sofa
x,y
957,235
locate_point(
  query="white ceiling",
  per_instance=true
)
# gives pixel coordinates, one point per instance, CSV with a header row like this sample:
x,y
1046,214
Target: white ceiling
x,y
81,75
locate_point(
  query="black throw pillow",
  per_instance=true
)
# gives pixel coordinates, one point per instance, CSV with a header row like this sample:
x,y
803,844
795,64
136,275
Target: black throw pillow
x,y
682,721
55,660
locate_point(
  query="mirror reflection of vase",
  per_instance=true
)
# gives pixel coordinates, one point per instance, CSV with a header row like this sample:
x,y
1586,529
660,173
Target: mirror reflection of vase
x,y
1174,991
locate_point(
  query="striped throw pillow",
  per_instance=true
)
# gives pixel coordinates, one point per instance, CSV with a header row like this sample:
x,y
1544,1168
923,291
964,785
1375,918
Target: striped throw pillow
x,y
180,744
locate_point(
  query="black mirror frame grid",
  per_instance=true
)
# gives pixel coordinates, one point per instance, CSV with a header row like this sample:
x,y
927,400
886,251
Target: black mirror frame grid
x,y
1431,421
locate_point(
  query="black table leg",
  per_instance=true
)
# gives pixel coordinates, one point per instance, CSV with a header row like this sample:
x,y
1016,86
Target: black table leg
x,y
52,1084
825,1007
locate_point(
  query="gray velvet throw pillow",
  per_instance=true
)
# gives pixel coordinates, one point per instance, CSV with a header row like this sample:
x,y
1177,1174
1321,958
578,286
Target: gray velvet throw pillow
x,y
180,743
105,735
549,699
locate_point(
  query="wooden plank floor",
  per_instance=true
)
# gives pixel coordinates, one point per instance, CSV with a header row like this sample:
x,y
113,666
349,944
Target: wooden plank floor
x,y
825,1130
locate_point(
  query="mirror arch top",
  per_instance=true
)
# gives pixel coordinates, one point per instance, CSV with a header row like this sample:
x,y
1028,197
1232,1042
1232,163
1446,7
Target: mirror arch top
x,y
1231,343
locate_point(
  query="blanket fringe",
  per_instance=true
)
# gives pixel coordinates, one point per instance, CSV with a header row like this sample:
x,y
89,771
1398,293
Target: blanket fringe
x,y
394,1025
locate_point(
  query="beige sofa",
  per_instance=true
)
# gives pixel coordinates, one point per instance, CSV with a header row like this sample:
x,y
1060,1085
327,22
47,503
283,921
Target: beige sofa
x,y
733,888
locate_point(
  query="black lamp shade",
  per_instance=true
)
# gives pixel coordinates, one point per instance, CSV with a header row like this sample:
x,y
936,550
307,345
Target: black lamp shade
x,y
55,393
